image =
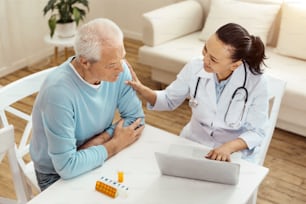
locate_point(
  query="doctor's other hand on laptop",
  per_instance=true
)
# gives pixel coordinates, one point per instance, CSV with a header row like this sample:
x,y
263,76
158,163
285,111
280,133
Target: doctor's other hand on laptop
x,y
73,129
227,93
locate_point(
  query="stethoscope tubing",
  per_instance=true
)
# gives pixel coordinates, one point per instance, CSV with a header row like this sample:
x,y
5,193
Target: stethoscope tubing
x,y
193,102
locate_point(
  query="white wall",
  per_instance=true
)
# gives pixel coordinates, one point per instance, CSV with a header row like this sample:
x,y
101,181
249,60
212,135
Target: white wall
x,y
23,27
128,13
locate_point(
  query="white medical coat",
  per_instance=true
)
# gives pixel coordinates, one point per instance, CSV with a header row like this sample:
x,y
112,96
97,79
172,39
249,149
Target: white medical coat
x,y
207,125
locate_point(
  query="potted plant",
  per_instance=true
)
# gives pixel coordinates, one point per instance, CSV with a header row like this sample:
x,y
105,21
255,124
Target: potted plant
x,y
65,12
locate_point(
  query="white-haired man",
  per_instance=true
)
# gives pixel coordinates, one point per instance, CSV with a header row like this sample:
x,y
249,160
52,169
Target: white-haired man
x,y
73,130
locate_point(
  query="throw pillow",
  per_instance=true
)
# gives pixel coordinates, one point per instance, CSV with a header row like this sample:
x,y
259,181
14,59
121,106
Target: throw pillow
x,y
256,18
292,34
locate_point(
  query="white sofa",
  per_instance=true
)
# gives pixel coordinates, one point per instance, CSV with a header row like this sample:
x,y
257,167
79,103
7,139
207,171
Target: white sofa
x,y
174,34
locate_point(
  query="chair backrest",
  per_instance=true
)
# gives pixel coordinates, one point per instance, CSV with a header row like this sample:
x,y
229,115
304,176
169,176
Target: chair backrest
x,y
7,145
7,140
276,88
10,94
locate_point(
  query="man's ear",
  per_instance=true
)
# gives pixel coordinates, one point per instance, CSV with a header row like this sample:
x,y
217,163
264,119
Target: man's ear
x,y
84,62
236,64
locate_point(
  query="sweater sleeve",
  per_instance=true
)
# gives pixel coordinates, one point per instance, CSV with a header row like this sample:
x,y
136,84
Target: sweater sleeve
x,y
129,105
59,126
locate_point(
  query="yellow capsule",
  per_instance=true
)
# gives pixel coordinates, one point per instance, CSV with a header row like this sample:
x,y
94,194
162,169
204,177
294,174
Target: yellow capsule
x,y
120,176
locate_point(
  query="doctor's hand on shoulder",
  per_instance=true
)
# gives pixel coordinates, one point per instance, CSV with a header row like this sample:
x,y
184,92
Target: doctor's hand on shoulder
x,y
224,151
143,90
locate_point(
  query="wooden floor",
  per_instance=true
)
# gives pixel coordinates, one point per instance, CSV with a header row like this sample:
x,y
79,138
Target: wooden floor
x,y
286,158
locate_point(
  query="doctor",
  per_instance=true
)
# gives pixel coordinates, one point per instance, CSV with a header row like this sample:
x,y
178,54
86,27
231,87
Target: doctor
x,y
227,93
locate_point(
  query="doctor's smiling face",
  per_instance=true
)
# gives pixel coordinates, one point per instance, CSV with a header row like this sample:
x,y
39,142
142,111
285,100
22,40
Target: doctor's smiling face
x,y
217,58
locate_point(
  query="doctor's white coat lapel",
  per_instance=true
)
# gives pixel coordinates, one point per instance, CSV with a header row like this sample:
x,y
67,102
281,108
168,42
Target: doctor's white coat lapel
x,y
207,85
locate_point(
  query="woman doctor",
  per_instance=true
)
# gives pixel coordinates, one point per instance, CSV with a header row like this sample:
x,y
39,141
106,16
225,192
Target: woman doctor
x,y
227,93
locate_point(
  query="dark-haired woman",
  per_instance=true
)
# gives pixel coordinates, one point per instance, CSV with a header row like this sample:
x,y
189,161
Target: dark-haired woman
x,y
227,92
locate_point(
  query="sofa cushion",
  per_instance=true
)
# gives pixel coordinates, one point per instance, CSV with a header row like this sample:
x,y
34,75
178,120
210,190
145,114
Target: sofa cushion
x,y
292,113
173,55
256,18
168,23
292,35
292,71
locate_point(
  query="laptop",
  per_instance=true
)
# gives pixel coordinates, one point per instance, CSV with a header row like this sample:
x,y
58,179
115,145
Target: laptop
x,y
190,162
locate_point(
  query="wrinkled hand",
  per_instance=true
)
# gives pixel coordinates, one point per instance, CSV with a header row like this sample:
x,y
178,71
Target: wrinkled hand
x,y
124,136
127,135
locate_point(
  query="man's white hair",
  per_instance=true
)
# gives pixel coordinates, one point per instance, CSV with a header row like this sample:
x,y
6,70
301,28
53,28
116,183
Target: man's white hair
x,y
94,36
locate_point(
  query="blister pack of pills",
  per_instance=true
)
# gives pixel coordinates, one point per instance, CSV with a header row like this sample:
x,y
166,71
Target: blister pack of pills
x,y
111,187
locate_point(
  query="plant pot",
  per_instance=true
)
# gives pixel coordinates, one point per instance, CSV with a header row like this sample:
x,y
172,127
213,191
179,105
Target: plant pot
x,y
65,30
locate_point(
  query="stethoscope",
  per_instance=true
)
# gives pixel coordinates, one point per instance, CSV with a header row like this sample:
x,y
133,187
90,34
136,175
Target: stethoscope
x,y
193,102
240,94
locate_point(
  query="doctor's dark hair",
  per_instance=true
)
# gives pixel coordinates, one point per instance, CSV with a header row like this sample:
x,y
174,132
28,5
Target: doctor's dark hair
x,y
246,47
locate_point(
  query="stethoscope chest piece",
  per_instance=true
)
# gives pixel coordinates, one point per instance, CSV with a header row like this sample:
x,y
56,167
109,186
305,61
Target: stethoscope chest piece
x,y
193,103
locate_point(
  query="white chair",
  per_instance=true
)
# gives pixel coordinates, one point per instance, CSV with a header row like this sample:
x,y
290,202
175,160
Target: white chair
x,y
10,94
7,145
276,89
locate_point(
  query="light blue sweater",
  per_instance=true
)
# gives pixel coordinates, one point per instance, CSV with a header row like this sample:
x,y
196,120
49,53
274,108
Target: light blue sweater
x,y
68,111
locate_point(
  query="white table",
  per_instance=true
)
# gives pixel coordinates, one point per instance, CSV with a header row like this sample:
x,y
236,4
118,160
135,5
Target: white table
x,y
146,184
59,42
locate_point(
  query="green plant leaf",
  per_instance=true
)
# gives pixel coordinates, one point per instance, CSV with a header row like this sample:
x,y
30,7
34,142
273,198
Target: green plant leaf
x,y
49,6
52,25
76,15
85,3
65,11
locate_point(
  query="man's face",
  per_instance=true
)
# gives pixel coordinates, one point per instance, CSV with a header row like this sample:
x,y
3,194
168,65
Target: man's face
x,y
110,65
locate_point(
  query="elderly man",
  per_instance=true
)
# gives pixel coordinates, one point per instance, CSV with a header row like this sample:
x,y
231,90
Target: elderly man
x,y
73,130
